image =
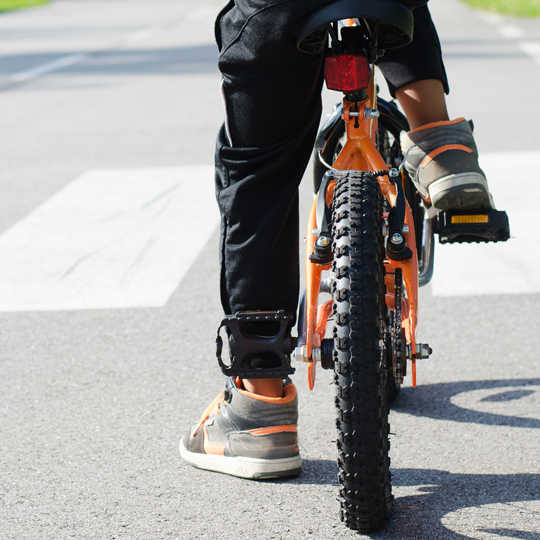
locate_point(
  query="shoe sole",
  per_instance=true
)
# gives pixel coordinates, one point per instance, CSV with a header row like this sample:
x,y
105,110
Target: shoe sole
x,y
463,191
243,467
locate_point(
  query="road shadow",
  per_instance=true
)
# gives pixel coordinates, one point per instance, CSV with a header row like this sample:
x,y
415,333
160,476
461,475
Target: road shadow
x,y
436,494
434,401
425,496
445,492
512,533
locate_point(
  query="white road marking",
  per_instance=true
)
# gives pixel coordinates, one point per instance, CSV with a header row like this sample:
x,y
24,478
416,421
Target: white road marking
x,y
511,267
126,237
143,34
531,49
109,239
77,58
511,31
508,30
201,13
49,67
489,17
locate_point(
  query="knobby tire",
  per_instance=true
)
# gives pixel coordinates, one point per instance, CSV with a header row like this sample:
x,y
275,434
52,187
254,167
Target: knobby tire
x,y
359,310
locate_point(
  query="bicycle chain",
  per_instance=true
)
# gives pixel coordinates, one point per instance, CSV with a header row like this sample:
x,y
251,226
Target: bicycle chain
x,y
399,362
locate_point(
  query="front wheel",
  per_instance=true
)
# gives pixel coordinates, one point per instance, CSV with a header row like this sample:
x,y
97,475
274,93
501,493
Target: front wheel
x,y
359,354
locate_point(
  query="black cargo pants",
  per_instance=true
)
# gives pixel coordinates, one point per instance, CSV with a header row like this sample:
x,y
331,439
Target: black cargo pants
x,y
272,100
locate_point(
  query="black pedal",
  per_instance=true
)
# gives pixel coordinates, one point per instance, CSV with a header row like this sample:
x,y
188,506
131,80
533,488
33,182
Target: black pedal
x,y
473,226
243,345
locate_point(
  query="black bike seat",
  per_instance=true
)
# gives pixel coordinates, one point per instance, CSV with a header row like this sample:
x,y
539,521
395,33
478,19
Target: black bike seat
x,y
396,20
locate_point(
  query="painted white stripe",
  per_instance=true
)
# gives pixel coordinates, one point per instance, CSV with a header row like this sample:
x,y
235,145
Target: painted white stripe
x,y
110,239
201,13
143,34
531,49
511,31
510,267
489,17
49,67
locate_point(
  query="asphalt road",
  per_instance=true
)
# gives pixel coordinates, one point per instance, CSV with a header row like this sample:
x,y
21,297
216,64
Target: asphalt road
x,y
108,264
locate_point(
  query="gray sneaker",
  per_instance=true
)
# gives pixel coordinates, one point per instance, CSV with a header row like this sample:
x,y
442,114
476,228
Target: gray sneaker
x,y
444,166
246,435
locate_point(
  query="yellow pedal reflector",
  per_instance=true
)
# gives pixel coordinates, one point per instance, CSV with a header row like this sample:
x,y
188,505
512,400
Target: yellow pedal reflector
x,y
479,218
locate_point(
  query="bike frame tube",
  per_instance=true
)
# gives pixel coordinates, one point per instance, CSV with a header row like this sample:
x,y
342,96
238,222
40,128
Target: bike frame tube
x,y
313,284
360,154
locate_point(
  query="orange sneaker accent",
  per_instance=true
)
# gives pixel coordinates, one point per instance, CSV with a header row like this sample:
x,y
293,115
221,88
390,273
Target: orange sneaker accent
x,y
435,124
442,149
289,393
212,409
214,449
272,429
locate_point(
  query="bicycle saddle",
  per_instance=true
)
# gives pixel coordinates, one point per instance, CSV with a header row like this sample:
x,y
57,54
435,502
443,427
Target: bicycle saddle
x,y
395,22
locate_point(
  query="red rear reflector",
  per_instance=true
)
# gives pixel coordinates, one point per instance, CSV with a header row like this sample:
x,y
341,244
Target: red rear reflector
x,y
347,72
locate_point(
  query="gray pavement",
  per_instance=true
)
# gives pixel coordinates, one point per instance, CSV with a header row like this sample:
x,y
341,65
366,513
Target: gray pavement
x,y
93,401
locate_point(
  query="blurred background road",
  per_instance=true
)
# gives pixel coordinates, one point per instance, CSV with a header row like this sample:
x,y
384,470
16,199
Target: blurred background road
x,y
109,294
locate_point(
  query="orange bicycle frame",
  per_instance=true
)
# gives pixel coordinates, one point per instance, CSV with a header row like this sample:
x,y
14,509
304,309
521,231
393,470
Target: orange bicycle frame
x,y
360,153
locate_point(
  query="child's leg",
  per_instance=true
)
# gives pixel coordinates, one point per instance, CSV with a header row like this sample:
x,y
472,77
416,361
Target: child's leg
x,y
272,100
423,102
442,159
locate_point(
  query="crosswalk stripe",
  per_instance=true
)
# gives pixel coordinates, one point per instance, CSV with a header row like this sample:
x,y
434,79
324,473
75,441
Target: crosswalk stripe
x,y
112,238
511,267
122,238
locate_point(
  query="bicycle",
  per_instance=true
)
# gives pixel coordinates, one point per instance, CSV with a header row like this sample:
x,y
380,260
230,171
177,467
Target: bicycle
x,y
371,229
